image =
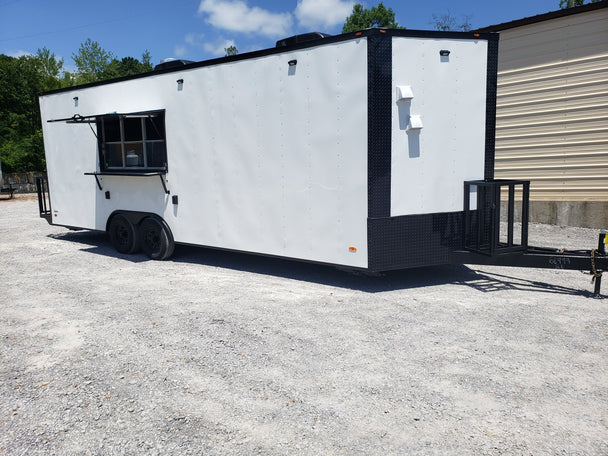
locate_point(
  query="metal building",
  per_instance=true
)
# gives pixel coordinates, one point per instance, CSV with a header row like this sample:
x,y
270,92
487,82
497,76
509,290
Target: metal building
x,y
552,112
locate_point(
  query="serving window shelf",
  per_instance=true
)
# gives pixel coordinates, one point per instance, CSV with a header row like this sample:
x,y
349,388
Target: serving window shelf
x,y
160,174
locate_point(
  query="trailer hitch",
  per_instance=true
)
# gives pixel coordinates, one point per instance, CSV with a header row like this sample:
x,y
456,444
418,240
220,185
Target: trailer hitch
x,y
601,250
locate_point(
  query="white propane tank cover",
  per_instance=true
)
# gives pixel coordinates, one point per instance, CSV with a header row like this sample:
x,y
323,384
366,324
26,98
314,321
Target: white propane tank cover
x,y
404,93
415,123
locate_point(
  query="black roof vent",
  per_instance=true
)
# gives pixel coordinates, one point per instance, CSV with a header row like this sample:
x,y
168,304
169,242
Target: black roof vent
x,y
171,63
303,38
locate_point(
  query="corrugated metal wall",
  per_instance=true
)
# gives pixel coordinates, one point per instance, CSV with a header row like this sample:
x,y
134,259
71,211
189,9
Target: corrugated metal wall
x,y
552,107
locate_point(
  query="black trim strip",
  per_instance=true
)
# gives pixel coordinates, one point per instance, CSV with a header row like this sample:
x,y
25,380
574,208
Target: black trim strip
x,y
491,85
379,118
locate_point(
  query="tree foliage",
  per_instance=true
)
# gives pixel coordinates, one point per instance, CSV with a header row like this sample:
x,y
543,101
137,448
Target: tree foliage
x,y
50,70
20,132
449,23
377,16
92,62
231,50
563,4
127,66
23,78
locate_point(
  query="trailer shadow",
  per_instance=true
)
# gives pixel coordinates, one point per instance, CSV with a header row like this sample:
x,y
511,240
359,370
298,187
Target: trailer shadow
x,y
389,281
97,242
488,282
481,281
324,274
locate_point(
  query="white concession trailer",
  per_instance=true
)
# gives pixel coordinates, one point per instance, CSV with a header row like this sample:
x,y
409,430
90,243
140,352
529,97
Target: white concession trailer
x,y
350,150
371,150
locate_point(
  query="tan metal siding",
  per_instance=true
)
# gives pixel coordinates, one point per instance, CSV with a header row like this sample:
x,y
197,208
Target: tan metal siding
x,y
552,107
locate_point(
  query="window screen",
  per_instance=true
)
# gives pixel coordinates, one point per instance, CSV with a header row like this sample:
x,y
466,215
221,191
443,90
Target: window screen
x,y
132,142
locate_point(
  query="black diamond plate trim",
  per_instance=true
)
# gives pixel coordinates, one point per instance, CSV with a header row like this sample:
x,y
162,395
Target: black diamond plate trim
x,y
492,72
411,241
379,94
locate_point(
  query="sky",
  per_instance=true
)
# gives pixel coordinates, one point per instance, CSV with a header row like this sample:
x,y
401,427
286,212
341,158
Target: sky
x,y
201,29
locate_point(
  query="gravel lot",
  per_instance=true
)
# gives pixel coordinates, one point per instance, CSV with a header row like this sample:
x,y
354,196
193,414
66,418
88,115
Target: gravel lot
x,y
221,353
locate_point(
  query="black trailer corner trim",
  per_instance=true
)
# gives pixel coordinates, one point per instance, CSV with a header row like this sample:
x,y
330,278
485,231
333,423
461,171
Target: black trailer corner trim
x,y
491,89
379,118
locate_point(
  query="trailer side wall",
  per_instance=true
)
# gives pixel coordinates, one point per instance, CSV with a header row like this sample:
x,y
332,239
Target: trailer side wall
x,y
264,156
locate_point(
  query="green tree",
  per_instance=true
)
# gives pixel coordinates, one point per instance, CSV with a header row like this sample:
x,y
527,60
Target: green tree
x,y
128,66
92,62
231,50
377,16
21,147
23,78
449,23
146,62
50,69
563,4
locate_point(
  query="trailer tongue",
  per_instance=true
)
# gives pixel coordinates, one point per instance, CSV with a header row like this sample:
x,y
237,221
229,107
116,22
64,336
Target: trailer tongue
x,y
491,238
594,261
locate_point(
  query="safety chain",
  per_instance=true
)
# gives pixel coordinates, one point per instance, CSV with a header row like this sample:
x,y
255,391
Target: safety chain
x,y
594,273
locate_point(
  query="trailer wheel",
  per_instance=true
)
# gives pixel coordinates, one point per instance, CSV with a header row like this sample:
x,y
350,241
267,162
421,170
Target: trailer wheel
x,y
123,235
156,238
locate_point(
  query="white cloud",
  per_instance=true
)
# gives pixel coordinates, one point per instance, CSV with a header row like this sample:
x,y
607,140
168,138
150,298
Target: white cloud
x,y
322,13
19,53
237,16
180,50
196,43
195,39
218,48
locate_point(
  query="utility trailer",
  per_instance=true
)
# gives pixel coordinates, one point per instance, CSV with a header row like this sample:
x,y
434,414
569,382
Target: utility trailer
x,y
371,150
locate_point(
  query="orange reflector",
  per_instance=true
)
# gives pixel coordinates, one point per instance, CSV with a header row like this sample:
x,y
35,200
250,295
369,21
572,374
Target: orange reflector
x,y
382,31
352,249
358,33
476,34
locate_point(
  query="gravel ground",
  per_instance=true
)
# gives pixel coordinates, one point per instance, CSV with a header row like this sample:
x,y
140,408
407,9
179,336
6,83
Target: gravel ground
x,y
221,353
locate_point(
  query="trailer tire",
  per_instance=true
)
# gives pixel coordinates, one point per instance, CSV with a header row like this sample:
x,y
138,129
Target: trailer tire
x,y
123,234
156,238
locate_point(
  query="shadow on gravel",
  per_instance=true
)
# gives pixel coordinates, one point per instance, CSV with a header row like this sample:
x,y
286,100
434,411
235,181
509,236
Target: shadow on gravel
x,y
488,282
485,282
98,243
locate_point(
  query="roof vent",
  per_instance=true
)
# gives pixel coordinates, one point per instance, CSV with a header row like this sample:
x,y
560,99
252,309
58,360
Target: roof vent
x,y
171,63
303,38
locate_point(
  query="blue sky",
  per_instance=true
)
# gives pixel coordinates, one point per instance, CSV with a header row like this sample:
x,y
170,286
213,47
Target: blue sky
x,y
201,29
